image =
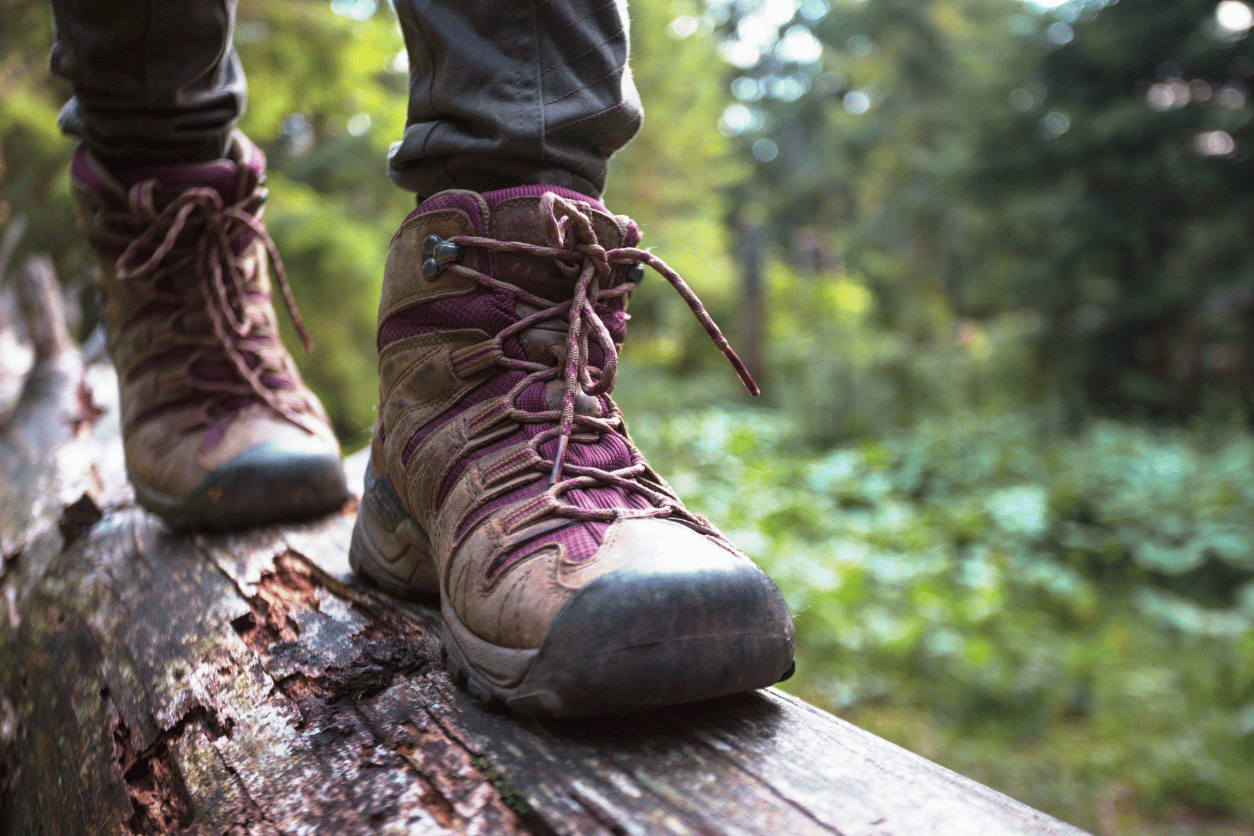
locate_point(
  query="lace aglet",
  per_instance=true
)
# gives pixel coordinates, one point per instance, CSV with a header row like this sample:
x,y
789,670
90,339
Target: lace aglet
x,y
751,385
555,475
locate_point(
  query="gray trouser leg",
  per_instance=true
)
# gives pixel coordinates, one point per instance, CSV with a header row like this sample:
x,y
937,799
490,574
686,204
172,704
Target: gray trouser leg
x,y
506,93
501,93
154,82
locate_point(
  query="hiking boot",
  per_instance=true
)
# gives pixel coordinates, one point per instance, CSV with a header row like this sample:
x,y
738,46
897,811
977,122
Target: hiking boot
x,y
218,429
572,579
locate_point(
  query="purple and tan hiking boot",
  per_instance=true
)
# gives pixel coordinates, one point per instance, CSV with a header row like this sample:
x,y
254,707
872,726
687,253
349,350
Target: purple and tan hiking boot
x,y
572,580
218,429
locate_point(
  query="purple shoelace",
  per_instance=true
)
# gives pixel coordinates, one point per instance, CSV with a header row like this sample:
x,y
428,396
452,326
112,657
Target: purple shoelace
x,y
573,244
222,232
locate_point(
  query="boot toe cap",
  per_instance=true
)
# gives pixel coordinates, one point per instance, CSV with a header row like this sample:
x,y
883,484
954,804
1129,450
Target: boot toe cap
x,y
270,482
674,625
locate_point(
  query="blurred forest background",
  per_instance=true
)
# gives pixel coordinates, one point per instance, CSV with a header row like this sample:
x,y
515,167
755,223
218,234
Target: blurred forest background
x,y
991,261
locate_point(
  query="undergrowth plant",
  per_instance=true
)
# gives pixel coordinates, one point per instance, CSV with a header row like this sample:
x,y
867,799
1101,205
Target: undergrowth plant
x,y
1063,615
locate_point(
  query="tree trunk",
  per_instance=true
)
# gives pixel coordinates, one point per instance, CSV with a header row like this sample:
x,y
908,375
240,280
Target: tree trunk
x,y
249,684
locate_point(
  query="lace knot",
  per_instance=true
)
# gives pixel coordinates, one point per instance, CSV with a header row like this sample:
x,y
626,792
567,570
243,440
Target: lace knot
x,y
597,255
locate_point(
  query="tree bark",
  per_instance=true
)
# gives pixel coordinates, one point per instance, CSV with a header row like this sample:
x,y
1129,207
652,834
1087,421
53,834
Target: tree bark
x,y
249,684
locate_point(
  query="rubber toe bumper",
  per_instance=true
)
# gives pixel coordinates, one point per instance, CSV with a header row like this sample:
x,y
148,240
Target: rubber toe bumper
x,y
646,635
264,484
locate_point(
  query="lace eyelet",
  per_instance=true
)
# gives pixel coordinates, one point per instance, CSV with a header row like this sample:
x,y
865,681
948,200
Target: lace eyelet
x,y
436,252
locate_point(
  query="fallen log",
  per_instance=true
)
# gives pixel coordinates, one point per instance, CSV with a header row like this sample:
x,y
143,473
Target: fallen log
x,y
250,684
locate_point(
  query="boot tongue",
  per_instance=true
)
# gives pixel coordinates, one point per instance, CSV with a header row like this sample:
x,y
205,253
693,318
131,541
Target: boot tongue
x,y
495,199
515,215
478,207
229,179
232,178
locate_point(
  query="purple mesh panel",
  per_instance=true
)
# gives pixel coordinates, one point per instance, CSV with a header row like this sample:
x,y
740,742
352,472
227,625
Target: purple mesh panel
x,y
210,369
491,312
581,539
469,311
525,492
609,452
158,409
223,370
242,239
531,400
467,203
615,322
87,173
222,175
232,180
401,327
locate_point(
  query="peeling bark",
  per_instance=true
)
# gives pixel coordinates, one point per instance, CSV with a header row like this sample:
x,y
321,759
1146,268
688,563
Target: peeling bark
x,y
248,685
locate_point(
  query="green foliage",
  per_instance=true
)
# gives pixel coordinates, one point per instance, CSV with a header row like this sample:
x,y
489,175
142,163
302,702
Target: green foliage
x,y
872,139
1124,214
1015,596
332,256
963,162
842,378
34,157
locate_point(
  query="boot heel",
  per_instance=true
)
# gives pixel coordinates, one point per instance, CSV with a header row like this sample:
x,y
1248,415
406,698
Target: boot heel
x,y
388,547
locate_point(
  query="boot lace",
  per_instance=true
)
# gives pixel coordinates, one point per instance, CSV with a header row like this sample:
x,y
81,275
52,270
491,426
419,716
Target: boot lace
x,y
572,242
155,253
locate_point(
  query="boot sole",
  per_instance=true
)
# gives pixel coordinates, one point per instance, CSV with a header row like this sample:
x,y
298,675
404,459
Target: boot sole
x,y
640,637
265,484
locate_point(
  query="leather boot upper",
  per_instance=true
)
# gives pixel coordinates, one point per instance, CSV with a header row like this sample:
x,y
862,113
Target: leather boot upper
x,y
185,290
499,326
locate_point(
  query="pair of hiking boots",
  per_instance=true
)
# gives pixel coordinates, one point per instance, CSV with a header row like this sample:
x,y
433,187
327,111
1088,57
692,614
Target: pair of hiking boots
x,y
572,580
